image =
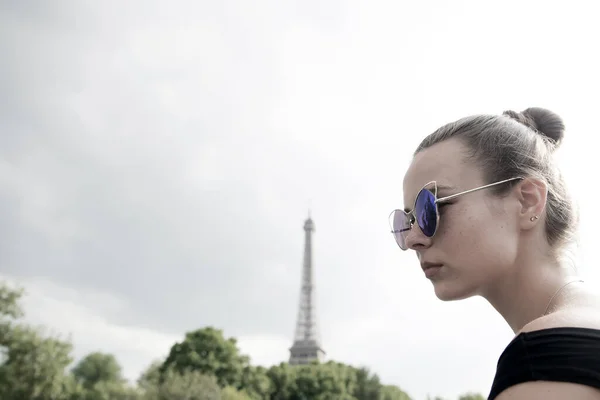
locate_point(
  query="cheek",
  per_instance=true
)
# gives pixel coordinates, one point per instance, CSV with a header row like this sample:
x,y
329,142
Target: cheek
x,y
474,237
455,224
462,231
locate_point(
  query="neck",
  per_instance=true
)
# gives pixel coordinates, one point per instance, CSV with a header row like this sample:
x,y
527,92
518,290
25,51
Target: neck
x,y
524,295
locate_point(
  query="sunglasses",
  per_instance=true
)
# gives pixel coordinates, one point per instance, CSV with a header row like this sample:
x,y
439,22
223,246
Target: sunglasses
x,y
425,212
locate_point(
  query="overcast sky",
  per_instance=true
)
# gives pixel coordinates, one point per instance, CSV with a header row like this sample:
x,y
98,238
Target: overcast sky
x,y
158,159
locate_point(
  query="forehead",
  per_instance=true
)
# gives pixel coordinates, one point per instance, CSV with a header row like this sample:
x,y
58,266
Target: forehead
x,y
443,162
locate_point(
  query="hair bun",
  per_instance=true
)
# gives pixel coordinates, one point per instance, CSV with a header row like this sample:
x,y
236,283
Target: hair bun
x,y
541,120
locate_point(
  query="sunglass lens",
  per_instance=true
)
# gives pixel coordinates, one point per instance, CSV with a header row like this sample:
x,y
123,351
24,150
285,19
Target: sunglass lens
x,y
401,227
426,212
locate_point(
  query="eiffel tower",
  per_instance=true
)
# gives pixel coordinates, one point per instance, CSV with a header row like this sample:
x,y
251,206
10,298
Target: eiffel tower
x,y
306,347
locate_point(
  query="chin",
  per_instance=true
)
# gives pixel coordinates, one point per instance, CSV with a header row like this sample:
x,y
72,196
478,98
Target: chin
x,y
451,291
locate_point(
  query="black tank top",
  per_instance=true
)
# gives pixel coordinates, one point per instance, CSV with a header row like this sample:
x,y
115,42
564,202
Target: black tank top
x,y
556,354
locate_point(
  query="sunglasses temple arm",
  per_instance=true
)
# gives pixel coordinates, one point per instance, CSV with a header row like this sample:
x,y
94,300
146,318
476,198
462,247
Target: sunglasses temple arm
x,y
474,190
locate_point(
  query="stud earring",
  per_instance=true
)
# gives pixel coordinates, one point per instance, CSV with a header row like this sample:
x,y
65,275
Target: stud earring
x,y
533,218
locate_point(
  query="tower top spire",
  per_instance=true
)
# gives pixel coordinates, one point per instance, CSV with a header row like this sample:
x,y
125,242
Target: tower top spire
x,y
309,226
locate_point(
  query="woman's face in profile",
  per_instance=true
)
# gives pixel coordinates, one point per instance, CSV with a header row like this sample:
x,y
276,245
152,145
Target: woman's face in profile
x,y
477,236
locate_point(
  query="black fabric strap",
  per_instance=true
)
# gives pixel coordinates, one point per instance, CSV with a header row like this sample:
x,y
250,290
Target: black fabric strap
x,y
556,354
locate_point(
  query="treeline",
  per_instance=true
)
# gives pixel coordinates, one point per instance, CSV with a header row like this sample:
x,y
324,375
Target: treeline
x,y
203,366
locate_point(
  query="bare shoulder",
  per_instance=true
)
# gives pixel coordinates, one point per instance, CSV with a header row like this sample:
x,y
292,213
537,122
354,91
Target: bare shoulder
x,y
579,318
582,312
542,390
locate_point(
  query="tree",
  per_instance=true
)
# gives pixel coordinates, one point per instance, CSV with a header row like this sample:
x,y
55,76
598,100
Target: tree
x,y
307,382
329,380
109,390
99,375
471,396
367,386
32,365
230,393
97,367
389,392
283,381
208,352
334,380
151,376
9,311
256,383
189,385
9,302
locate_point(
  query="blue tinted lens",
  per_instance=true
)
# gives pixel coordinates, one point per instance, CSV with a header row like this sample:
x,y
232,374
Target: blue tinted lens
x,y
426,212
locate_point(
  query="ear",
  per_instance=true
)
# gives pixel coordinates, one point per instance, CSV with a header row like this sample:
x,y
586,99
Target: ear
x,y
532,195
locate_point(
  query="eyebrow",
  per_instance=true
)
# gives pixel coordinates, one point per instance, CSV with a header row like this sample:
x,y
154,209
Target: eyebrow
x,y
445,187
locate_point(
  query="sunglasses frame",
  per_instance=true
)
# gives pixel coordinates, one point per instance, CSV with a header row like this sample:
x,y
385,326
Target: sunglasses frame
x,y
411,214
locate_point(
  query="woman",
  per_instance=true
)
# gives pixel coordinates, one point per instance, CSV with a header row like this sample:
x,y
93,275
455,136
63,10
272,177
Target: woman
x,y
488,214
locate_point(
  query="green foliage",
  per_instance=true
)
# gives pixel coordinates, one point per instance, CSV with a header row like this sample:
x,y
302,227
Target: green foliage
x,y
256,382
9,302
189,385
329,380
471,396
150,377
9,312
230,393
322,380
389,392
97,368
108,390
368,386
283,381
207,351
32,365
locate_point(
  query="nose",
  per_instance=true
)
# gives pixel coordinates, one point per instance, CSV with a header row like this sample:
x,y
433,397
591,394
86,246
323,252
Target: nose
x,y
416,239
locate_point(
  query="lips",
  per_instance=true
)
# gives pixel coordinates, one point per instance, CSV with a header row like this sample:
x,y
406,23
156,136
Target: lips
x,y
431,269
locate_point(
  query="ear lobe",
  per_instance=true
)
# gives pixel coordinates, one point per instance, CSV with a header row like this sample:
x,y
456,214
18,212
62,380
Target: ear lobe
x,y
532,195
